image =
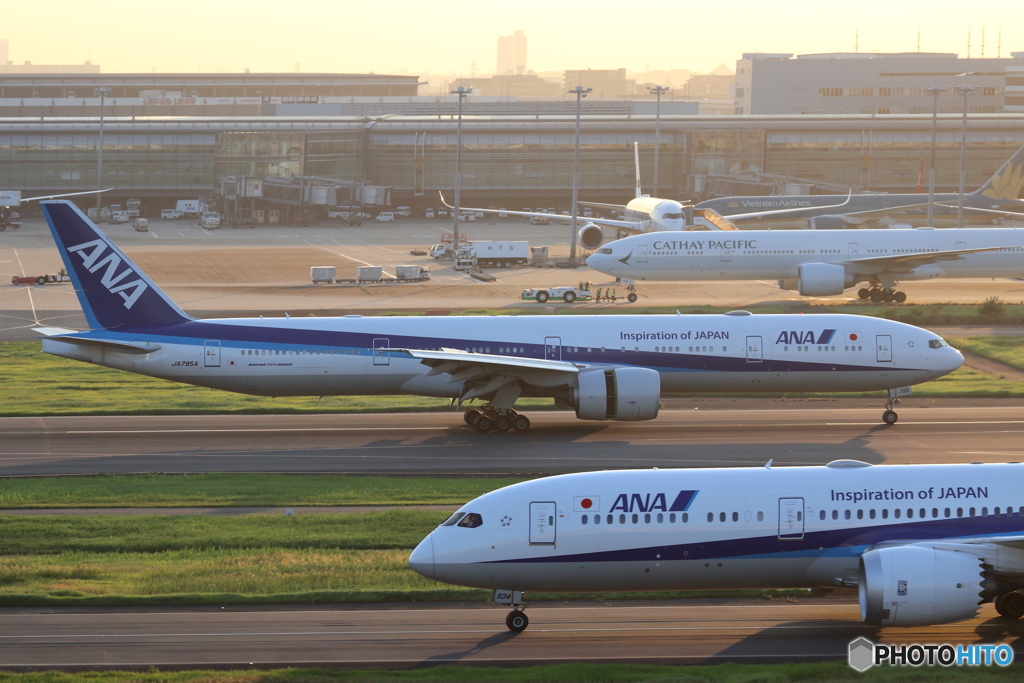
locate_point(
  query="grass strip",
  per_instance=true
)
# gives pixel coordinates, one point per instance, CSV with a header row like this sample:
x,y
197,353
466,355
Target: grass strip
x,y
242,490
38,384
581,672
1008,350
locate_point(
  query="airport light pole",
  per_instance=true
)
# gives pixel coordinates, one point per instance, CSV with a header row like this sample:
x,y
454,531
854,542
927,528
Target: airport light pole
x,y
102,94
657,90
964,90
934,91
461,91
580,92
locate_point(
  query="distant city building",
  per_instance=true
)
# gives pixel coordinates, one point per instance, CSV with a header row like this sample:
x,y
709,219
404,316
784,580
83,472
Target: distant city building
x,y
512,54
708,87
605,82
524,86
9,67
866,83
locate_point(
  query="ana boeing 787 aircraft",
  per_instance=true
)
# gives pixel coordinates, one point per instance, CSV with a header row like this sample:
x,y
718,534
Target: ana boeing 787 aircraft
x,y
606,367
922,544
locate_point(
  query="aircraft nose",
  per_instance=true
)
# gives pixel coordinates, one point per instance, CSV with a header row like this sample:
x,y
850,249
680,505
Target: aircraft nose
x,y
422,559
956,359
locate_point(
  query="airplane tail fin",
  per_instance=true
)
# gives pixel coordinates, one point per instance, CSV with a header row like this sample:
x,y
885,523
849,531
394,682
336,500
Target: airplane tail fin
x,y
636,160
1008,181
113,292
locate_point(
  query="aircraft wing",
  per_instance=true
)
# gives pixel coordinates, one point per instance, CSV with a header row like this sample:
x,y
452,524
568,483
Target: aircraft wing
x,y
483,374
997,212
597,205
779,212
626,226
860,217
905,262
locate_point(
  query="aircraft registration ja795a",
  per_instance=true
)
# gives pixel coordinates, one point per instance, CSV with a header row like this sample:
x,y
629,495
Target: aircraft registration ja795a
x,y
819,262
923,544
606,367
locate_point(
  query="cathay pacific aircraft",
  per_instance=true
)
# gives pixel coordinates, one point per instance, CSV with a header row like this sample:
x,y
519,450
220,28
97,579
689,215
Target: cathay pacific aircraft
x,y
819,263
922,544
606,367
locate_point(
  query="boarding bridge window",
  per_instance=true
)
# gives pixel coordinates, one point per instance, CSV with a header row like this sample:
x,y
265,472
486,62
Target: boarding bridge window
x,y
471,521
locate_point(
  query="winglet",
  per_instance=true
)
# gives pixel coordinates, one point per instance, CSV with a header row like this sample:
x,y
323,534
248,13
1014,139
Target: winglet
x,y
768,465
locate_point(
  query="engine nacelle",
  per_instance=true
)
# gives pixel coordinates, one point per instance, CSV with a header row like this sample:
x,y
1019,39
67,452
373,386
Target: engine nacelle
x,y
618,394
916,585
829,223
823,279
591,236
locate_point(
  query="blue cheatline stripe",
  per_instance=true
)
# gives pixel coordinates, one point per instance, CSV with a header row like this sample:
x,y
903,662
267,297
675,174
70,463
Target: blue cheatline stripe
x,y
832,542
195,332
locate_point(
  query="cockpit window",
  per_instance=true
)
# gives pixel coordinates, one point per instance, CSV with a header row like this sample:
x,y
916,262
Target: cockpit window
x,y
676,216
471,521
604,251
937,343
453,519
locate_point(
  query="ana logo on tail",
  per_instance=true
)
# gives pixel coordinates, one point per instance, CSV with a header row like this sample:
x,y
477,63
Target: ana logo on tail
x,y
1008,184
129,291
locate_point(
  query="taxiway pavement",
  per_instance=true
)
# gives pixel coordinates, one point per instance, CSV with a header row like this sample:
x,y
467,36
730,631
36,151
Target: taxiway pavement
x,y
720,432
400,636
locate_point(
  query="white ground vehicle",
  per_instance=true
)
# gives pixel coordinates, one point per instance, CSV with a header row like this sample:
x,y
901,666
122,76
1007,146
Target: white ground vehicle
x,y
171,214
442,213
134,207
502,212
467,216
119,217
209,221
429,213
566,294
403,211
539,220
141,225
385,217
500,254
191,207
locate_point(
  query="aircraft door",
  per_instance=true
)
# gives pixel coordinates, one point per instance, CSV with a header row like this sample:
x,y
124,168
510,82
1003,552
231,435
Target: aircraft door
x,y
791,518
726,256
380,356
542,523
883,344
961,245
552,348
211,353
754,351
641,253
854,248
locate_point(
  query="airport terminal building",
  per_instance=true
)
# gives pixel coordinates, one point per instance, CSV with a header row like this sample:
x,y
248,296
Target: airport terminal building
x,y
511,161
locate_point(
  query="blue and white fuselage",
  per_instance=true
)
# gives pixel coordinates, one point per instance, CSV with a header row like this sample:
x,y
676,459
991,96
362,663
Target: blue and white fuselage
x,y
607,367
924,543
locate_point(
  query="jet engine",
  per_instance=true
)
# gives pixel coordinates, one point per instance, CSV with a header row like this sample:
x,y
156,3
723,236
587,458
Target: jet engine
x,y
916,585
822,279
591,236
617,394
829,223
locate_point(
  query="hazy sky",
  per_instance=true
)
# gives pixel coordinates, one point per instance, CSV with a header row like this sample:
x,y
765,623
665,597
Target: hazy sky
x,y
437,37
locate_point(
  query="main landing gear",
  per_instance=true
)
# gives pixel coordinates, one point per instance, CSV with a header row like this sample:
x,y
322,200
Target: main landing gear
x,y
889,417
1009,605
493,420
882,294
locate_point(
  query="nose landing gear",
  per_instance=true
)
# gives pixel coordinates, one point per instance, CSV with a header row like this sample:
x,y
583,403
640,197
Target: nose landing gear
x,y
889,417
517,620
882,294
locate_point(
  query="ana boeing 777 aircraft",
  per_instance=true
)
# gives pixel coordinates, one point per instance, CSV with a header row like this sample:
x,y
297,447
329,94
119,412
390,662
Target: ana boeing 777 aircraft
x,y
922,544
819,263
606,367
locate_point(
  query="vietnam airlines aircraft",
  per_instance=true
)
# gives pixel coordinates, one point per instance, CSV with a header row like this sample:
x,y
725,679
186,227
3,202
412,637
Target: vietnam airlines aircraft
x,y
922,544
606,367
822,263
1000,196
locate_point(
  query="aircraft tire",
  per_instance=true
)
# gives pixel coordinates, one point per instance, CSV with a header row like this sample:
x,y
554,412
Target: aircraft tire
x,y
876,296
520,423
517,621
890,417
483,424
899,297
470,416
631,298
1010,605
502,424
887,295
864,293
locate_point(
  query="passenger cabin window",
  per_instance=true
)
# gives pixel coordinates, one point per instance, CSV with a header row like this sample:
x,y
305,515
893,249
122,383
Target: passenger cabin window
x,y
472,521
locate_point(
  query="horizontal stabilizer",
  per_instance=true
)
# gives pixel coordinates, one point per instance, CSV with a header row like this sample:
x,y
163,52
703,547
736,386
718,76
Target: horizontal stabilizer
x,y
109,344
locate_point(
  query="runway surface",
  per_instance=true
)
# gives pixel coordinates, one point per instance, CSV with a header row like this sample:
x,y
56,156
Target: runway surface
x,y
682,632
723,432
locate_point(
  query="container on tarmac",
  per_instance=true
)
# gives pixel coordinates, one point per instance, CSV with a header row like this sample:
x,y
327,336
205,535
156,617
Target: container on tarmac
x,y
369,273
408,272
501,254
320,274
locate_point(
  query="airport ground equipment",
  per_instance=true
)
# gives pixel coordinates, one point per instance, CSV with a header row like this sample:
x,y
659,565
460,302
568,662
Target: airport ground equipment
x,y
543,295
370,275
141,225
499,254
48,279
